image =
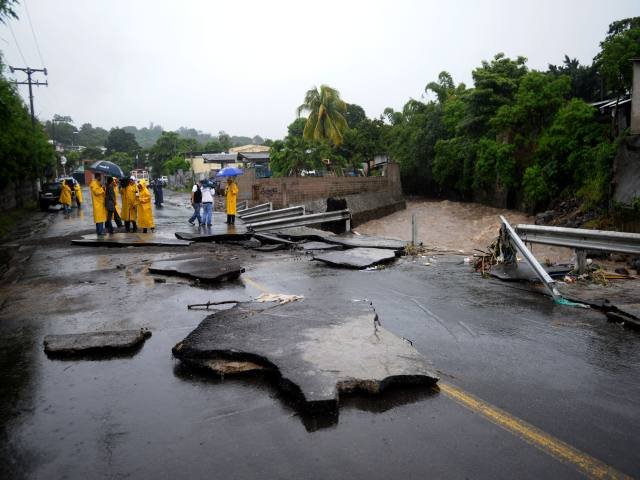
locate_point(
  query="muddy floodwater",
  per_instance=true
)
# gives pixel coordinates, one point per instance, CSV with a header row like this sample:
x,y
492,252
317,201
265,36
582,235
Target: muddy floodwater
x,y
453,226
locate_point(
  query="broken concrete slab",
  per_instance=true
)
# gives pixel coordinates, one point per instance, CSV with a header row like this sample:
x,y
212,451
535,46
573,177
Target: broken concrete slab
x,y
358,258
273,239
318,349
202,269
314,246
274,247
216,233
366,241
131,240
90,343
302,233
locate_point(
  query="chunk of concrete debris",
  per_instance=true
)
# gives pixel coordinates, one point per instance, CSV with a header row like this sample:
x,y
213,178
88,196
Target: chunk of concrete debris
x,y
272,247
217,233
202,269
358,258
314,246
130,240
95,342
366,241
319,349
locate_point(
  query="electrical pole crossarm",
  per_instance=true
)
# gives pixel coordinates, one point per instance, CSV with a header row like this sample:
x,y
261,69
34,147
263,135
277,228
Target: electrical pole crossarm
x,y
29,71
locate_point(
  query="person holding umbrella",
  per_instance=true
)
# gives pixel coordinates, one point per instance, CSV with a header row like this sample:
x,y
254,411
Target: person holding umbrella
x,y
97,199
145,214
231,192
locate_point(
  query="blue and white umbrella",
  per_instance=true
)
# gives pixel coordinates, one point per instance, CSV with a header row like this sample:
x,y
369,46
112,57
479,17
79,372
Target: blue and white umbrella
x,y
108,168
230,172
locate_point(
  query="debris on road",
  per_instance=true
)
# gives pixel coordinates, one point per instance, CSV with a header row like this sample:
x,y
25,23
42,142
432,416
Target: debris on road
x,y
95,342
130,240
318,349
357,258
205,270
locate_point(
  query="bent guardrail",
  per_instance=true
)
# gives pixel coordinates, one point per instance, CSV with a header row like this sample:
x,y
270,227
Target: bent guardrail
x,y
528,256
303,220
273,214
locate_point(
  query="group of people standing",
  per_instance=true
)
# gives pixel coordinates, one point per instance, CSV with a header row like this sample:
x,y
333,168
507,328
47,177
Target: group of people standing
x,y
65,195
136,211
202,195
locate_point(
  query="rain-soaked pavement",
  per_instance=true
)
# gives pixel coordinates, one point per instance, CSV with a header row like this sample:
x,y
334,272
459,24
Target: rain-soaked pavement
x,y
565,372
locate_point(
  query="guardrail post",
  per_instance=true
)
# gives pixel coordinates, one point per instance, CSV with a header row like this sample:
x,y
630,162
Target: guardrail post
x,y
347,225
414,230
581,261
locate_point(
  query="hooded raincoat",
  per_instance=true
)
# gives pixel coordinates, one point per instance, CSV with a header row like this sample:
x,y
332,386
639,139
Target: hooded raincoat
x,y
65,195
145,213
97,199
231,192
129,203
78,191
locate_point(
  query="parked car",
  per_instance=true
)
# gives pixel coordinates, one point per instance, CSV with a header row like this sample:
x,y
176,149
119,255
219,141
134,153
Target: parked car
x,y
50,192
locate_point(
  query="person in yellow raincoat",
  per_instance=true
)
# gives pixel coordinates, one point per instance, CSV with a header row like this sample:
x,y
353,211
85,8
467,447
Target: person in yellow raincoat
x,y
145,213
117,214
97,199
231,192
65,197
78,190
128,192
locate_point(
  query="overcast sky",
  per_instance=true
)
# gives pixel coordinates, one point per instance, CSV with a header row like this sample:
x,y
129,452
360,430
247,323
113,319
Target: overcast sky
x,y
244,66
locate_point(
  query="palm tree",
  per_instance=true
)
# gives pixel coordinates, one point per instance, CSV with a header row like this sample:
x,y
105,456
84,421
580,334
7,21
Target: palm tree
x,y
327,111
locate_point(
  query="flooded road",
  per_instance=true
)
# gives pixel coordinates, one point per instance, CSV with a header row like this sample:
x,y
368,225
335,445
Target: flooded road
x,y
565,371
454,226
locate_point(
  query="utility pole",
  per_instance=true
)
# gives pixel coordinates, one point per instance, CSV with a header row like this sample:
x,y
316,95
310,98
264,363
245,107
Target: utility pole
x,y
29,71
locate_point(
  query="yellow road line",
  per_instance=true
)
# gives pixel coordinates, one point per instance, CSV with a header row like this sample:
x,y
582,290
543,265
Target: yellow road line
x,y
588,465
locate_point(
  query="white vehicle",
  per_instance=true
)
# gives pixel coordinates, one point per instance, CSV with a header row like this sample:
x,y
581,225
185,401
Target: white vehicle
x,y
140,175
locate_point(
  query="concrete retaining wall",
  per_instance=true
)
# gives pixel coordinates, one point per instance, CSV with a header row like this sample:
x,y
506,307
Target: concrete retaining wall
x,y
626,171
366,197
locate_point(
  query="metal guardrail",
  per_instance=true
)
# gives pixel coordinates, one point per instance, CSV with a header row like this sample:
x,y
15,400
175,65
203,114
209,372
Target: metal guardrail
x,y
300,221
273,214
581,240
243,205
537,268
263,207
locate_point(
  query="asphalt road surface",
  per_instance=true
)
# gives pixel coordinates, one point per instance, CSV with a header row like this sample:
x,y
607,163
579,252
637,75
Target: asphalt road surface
x,y
528,389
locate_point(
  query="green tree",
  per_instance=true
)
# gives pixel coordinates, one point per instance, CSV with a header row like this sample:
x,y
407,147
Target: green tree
x,y
296,128
174,164
354,115
212,146
621,44
326,120
585,80
24,150
165,148
7,11
121,141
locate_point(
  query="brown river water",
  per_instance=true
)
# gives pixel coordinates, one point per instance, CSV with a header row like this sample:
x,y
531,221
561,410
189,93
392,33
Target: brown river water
x,y
453,226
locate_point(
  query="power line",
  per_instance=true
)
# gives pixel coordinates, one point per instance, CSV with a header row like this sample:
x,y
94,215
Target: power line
x,y
16,42
35,39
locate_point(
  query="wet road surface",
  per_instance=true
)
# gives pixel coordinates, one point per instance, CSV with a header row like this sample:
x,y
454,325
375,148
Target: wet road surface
x,y
565,371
